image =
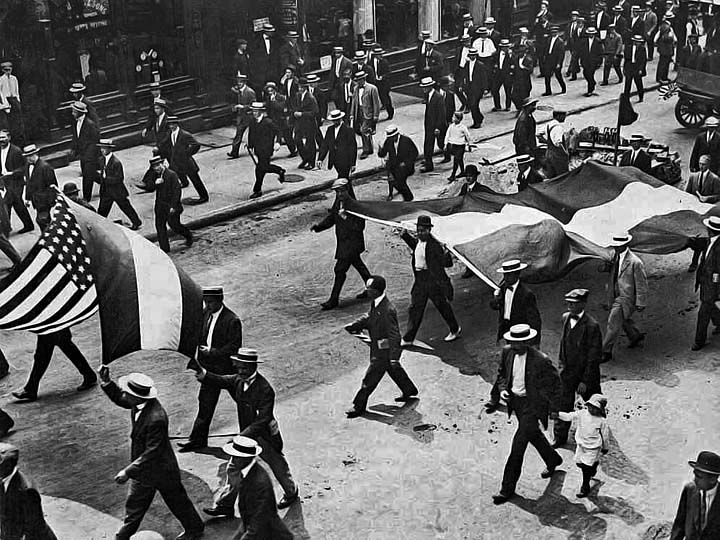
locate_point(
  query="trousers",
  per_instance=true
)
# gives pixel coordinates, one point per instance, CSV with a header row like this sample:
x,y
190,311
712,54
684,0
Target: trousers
x,y
140,497
589,75
708,311
262,168
635,76
123,203
237,139
164,219
43,354
227,495
612,62
89,172
208,397
14,201
196,181
527,432
505,83
663,68
400,174
559,76
425,288
616,322
341,268
374,374
306,146
9,250
385,99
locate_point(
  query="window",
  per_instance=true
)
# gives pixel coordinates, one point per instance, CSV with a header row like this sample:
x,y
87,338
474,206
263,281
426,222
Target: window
x,y
451,18
396,23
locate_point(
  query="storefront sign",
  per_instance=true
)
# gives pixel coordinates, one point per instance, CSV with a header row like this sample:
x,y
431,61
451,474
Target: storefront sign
x,y
288,14
95,8
258,23
325,62
92,24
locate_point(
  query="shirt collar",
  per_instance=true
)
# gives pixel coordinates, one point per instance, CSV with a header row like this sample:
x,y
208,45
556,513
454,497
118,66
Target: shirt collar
x,y
379,299
251,380
141,406
244,472
9,477
514,286
578,316
108,156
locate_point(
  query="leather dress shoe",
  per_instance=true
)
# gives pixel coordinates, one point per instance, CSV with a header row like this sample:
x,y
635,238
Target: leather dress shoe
x,y
189,240
136,227
697,346
24,395
87,385
328,305
501,498
405,399
547,473
288,500
197,201
354,413
491,406
230,155
191,446
187,535
281,178
255,195
26,230
362,295
216,511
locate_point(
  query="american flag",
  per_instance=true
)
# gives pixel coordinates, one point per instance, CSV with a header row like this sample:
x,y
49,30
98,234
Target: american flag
x,y
666,91
53,287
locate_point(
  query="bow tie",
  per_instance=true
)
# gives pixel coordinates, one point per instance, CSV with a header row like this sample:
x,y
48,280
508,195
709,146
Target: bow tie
x,y
575,318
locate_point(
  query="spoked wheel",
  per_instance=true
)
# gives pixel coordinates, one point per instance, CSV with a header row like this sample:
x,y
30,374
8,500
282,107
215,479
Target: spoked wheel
x,y
689,114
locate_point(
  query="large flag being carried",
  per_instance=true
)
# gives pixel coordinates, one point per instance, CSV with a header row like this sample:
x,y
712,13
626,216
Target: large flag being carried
x,y
558,224
81,262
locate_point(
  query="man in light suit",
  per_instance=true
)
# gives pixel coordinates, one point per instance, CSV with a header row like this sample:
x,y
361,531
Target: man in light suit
x,y
365,111
627,292
21,513
12,168
384,338
698,515
580,355
221,337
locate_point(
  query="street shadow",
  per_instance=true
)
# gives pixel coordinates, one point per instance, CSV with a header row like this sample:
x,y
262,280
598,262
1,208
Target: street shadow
x,y
618,507
617,465
214,451
405,419
295,520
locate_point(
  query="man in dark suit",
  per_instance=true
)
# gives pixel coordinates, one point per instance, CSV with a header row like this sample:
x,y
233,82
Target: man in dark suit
x,y
221,338
689,55
383,71
322,100
431,63
707,143
255,493
580,356
635,61
527,173
350,242
85,138
77,91
290,53
524,136
401,154
255,400
12,177
530,385
600,18
475,82
344,92
183,147
154,466
10,252
306,126
698,514
636,156
636,24
21,513
40,179
429,260
551,60
707,280
383,331
278,112
265,59
112,185
241,58
155,97
435,122
340,63
522,68
244,96
620,22
340,147
168,206
160,128
502,75
261,141
360,64
515,304
614,50
574,36
591,58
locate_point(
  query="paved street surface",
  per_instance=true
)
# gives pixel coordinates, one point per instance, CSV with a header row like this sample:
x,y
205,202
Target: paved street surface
x,y
381,477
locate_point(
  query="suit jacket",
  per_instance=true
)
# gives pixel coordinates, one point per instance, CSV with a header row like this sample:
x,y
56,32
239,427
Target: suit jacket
x,y
629,288
244,97
91,111
406,153
261,138
167,193
153,459
306,125
650,22
581,352
345,63
368,69
341,150
322,100
703,147
21,512
524,137
636,27
182,152
551,59
614,45
151,122
640,59
226,340
591,57
15,164
39,191
381,322
368,107
479,82
241,61
112,178
254,406
290,93
450,106
605,20
348,232
435,117
642,160
710,185
258,507
687,520
85,145
290,55
382,72
621,27
342,102
162,137
502,74
689,56
436,258
708,268
430,66
263,66
533,177
523,310
542,382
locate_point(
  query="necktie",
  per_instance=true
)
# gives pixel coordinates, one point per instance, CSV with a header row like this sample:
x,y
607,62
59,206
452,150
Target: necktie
x,y
703,509
574,318
617,268
700,184
482,46
206,329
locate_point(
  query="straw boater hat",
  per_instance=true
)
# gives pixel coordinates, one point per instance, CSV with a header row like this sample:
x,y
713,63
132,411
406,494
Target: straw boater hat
x,y
425,34
712,223
591,31
106,143
514,265
247,355
472,51
29,150
524,159
240,77
712,121
213,291
155,84
707,462
426,82
577,295
77,87
155,160
360,55
160,102
257,106
504,42
638,137
292,34
620,240
6,65
340,183
467,17
617,8
242,447
312,78
638,39
490,20
172,119
79,106
360,75
482,31
529,101
519,333
336,115
597,400
268,27
391,130
138,385
338,49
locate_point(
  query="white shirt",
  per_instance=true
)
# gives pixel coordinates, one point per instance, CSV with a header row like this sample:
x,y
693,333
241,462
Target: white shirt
x,y
247,384
337,131
211,328
267,43
3,158
338,62
501,59
160,118
710,244
599,19
518,383
471,67
9,87
244,472
139,410
78,124
485,47
420,261
552,43
709,498
174,135
621,259
464,57
509,295
379,299
590,42
574,320
6,480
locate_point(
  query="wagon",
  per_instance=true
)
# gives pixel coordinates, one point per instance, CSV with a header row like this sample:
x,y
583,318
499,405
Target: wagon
x,y
699,96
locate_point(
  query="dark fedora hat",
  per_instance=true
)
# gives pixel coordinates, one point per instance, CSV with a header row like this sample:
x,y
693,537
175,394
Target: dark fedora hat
x,y
708,462
424,221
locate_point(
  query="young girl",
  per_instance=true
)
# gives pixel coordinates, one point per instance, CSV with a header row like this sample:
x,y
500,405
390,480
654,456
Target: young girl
x,y
591,437
456,138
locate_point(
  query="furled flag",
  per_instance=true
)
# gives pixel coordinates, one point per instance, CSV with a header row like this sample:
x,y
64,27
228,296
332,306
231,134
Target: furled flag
x,y
558,224
81,262
626,113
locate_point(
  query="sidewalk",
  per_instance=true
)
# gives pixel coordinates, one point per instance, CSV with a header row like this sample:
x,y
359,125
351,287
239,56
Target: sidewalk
x,y
230,182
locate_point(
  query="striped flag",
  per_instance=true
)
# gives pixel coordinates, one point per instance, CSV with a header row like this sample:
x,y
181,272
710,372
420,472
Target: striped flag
x,y
83,262
556,225
666,91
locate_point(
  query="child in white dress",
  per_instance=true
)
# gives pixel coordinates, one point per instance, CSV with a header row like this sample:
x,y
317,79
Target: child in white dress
x,y
591,437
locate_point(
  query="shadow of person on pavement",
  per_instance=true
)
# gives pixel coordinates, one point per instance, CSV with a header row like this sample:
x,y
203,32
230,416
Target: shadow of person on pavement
x,y
403,418
618,507
617,465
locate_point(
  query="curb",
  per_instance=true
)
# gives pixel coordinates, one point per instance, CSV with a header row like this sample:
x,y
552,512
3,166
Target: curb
x,y
247,207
